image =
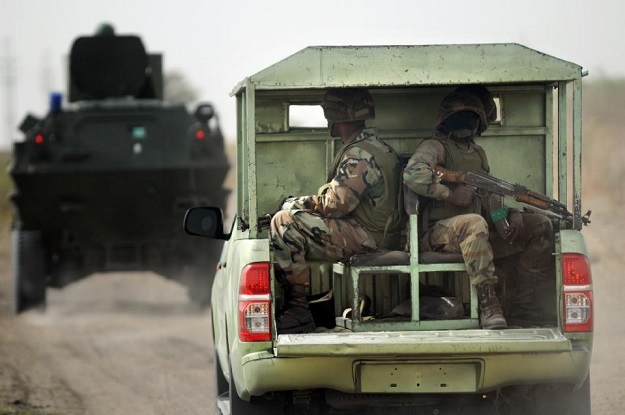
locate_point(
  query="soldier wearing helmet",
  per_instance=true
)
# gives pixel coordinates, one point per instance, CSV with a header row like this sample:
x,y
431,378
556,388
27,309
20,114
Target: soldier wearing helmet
x,y
455,218
358,210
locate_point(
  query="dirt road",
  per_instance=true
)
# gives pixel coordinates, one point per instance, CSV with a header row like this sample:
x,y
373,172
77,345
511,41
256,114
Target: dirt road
x,y
110,344
131,344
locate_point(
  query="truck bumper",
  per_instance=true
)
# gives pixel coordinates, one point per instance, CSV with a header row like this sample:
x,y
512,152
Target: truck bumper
x,y
461,361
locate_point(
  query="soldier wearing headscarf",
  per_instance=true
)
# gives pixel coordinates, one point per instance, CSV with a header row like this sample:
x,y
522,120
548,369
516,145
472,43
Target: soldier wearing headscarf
x,y
455,217
358,210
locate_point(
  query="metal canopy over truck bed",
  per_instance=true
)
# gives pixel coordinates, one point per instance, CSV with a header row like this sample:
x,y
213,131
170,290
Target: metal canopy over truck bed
x,y
373,66
322,67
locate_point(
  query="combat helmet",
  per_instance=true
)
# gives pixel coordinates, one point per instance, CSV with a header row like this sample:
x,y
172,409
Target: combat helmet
x,y
487,100
348,104
463,101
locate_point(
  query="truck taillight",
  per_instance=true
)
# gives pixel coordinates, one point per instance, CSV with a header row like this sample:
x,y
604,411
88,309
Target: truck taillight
x,y
200,134
39,139
577,293
255,303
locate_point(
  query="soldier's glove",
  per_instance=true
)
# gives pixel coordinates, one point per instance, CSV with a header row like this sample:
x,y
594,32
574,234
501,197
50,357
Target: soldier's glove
x,y
461,196
515,222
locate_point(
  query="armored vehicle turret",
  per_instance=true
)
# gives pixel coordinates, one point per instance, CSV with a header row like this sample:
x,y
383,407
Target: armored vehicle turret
x,y
102,182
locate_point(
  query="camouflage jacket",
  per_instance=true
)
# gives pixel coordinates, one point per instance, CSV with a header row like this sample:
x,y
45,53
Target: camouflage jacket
x,y
419,175
358,180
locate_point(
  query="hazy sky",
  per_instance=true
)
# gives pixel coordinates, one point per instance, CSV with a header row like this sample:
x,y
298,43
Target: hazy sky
x,y
216,44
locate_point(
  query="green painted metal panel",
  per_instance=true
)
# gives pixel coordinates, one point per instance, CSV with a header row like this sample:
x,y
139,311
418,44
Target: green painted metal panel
x,y
304,178
572,241
335,66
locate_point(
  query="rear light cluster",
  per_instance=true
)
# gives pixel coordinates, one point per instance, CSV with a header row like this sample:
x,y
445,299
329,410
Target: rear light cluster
x,y
255,303
577,293
200,134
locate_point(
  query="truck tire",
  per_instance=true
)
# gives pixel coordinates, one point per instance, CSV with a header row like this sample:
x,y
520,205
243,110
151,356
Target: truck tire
x,y
29,270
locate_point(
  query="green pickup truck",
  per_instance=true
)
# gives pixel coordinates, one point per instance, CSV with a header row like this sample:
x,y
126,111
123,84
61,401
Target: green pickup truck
x,y
378,358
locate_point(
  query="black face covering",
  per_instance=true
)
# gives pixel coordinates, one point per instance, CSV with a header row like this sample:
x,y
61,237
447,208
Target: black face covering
x,y
462,125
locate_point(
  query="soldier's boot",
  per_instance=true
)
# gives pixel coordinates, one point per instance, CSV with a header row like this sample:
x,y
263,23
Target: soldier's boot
x,y
491,315
296,316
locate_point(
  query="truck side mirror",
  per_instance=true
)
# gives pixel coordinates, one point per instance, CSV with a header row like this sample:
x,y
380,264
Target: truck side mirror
x,y
205,221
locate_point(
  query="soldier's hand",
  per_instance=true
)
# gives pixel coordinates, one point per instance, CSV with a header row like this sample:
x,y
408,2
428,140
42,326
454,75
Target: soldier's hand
x,y
515,220
289,203
280,205
461,196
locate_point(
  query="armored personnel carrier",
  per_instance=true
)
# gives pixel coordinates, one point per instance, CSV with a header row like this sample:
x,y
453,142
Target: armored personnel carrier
x,y
102,182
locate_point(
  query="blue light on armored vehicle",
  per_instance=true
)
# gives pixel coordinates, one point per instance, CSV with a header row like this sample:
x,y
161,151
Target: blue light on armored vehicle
x,y
56,100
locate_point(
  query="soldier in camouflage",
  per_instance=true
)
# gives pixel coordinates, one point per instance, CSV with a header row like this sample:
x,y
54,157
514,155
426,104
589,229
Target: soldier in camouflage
x,y
357,211
455,216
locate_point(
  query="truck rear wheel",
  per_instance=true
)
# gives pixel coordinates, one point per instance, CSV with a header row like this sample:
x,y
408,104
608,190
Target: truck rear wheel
x,y
29,270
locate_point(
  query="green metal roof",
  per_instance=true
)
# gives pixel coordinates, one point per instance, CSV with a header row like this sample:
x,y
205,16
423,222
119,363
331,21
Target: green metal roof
x,y
391,66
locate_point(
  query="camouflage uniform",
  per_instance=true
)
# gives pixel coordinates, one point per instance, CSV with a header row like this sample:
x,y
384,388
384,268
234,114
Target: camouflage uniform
x,y
466,230
327,226
357,211
470,233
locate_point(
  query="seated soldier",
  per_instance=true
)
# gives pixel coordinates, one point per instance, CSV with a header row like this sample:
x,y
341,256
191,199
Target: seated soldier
x,y
455,216
357,211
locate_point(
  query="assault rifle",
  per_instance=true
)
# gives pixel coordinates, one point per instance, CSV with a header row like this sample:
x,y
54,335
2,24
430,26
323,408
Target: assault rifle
x,y
498,188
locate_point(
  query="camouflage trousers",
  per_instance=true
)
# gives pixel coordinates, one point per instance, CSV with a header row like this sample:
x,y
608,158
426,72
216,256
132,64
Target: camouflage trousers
x,y
469,235
298,236
466,235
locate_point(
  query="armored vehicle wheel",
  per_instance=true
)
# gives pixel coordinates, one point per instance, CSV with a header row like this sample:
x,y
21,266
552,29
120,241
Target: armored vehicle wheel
x,y
29,270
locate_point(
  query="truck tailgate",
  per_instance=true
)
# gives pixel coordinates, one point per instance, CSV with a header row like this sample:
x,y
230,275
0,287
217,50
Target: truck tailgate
x,y
457,342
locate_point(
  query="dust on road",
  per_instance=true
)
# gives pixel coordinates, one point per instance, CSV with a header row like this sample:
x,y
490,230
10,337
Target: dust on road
x,y
110,344
132,343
